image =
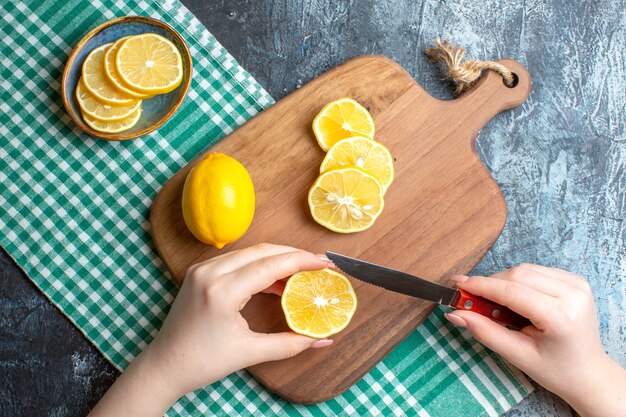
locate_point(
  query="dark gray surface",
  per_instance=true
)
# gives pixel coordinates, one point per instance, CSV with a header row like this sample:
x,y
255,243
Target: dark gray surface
x,y
47,367
559,158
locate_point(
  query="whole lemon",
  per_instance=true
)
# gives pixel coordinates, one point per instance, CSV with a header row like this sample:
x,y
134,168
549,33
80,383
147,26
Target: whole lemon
x,y
218,200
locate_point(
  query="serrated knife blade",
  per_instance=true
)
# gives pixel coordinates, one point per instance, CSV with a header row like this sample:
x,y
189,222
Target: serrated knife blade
x,y
403,283
394,280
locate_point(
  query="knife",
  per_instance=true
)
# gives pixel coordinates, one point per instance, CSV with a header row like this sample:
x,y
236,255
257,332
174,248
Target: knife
x,y
401,282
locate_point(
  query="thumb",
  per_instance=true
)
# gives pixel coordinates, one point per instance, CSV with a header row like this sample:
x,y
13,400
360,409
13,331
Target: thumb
x,y
277,346
514,346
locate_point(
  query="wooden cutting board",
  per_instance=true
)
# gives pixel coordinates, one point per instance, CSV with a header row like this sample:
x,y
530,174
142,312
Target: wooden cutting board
x,y
442,213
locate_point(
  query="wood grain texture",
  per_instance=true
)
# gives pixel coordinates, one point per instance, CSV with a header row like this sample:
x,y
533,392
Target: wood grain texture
x,y
442,213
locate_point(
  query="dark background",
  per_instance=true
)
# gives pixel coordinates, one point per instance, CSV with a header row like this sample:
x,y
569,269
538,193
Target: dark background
x,y
559,158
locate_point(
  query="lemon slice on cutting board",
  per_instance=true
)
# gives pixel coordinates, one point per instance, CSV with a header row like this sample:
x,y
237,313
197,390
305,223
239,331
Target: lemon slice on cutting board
x,y
98,84
341,119
115,126
149,64
99,111
373,157
346,200
111,72
318,303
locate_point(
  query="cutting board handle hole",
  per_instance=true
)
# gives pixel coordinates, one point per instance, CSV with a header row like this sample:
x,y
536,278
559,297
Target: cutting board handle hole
x,y
513,83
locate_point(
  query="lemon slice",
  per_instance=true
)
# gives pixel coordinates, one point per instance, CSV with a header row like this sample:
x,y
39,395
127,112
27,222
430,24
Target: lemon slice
x,y
104,112
113,76
318,303
149,64
342,119
98,84
346,200
364,153
115,126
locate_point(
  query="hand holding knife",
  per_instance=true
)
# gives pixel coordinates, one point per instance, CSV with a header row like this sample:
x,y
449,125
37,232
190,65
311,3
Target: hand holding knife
x,y
401,282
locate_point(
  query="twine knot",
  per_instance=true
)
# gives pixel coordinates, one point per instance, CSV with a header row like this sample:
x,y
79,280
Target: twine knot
x,y
464,73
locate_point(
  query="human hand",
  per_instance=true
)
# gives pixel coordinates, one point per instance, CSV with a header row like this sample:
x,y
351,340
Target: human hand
x,y
562,349
204,336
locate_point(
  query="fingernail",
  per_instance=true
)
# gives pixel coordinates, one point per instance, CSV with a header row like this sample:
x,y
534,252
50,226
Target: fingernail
x,y
321,343
459,278
324,258
456,320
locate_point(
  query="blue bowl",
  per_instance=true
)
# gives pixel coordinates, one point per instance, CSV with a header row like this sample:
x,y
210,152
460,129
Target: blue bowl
x,y
156,110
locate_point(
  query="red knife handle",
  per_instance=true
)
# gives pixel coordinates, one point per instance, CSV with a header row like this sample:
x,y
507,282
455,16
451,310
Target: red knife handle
x,y
494,311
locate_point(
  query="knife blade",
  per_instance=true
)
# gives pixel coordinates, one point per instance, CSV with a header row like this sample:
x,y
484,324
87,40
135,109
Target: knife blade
x,y
401,282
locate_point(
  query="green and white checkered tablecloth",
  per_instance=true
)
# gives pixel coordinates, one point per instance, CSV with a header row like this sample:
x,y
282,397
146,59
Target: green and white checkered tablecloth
x,y
74,215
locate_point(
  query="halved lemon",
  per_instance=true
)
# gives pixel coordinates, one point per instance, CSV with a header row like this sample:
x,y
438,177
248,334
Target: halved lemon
x,y
364,153
149,64
318,303
341,119
113,76
99,111
98,84
346,200
115,126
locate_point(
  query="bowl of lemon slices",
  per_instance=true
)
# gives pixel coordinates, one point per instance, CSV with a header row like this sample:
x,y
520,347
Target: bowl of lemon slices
x,y
126,77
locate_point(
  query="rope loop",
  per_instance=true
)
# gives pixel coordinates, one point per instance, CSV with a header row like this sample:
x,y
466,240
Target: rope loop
x,y
464,73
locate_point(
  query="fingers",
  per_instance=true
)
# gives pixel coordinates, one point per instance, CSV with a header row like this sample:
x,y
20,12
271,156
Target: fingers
x,y
261,274
565,277
513,346
276,288
277,346
519,297
231,261
534,279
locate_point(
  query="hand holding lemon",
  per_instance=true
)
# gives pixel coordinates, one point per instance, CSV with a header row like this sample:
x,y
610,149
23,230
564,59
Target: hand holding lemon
x,y
205,337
